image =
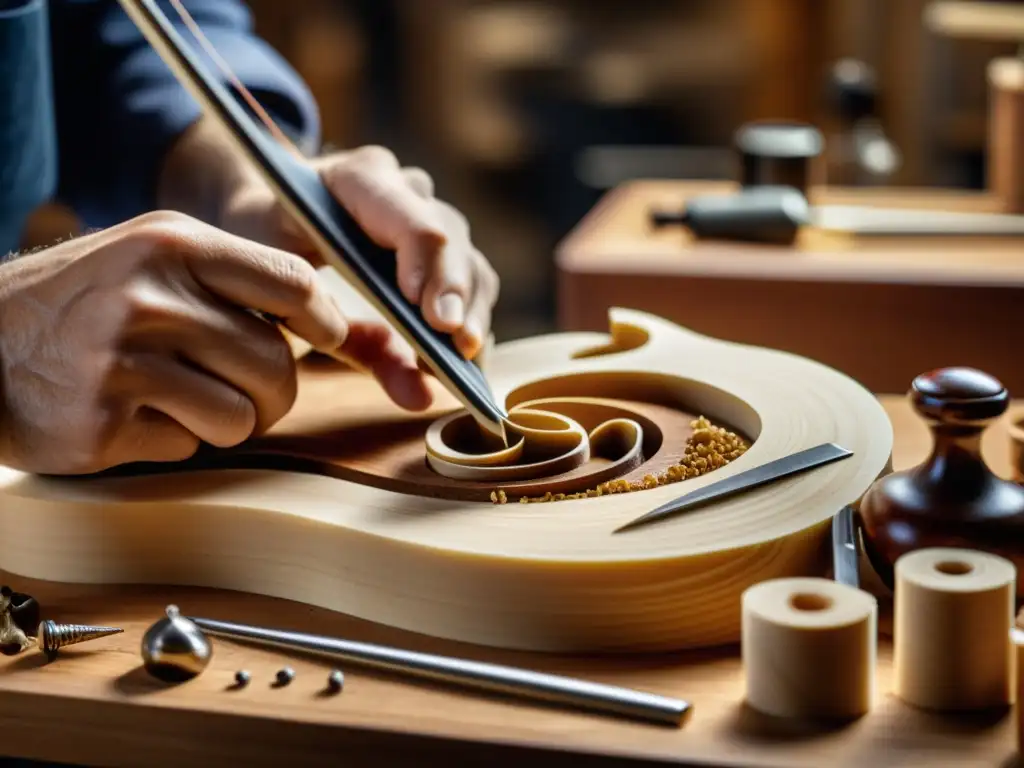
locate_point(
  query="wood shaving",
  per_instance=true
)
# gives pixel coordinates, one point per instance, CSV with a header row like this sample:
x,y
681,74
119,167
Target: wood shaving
x,y
710,447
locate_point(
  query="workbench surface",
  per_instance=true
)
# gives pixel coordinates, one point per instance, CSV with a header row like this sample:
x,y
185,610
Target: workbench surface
x,y
94,705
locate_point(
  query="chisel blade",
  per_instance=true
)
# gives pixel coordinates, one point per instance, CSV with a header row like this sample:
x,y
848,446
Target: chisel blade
x,y
802,461
867,221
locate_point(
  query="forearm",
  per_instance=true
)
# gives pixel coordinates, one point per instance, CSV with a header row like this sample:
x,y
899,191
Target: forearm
x,y
201,171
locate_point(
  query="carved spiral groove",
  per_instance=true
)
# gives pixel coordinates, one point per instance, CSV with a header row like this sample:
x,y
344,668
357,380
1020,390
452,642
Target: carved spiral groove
x,y
571,448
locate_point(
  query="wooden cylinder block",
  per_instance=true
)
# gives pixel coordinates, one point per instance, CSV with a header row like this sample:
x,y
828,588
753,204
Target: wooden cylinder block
x,y
951,630
1006,133
809,648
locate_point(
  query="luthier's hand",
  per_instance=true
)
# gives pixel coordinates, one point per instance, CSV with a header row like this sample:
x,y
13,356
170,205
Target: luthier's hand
x,y
135,344
439,268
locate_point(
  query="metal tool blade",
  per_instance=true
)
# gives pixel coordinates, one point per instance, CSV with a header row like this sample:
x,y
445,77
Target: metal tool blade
x,y
844,548
892,222
495,678
818,456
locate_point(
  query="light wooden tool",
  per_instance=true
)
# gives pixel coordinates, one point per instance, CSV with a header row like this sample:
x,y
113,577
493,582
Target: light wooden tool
x,y
352,504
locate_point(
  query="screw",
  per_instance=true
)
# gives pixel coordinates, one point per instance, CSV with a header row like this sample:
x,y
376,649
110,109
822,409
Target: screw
x,y
285,676
242,678
51,636
335,681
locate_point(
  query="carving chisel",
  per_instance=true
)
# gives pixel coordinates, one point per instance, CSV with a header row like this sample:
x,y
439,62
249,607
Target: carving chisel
x,y
795,463
343,244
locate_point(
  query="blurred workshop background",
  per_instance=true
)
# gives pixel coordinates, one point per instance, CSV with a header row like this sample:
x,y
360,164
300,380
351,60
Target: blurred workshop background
x,y
527,111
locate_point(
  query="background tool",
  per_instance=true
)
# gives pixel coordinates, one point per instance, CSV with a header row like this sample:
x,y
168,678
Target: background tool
x,y
776,214
368,267
778,154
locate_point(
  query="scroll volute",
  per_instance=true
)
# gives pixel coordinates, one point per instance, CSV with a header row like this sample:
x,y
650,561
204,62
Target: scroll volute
x,y
952,499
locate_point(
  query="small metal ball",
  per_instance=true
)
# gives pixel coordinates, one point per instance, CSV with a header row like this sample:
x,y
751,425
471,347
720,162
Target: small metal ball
x,y
174,649
285,675
335,681
242,677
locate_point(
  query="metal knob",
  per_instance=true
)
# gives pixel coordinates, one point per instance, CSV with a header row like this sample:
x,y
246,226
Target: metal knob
x,y
174,649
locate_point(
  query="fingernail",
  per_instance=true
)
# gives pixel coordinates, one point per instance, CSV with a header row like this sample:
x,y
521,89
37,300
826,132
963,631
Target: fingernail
x,y
451,309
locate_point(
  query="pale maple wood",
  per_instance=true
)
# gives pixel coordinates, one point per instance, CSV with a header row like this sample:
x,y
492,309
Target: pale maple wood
x,y
954,610
809,649
337,506
879,309
94,706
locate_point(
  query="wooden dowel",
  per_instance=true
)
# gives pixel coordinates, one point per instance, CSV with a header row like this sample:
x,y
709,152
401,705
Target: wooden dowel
x,y
1006,133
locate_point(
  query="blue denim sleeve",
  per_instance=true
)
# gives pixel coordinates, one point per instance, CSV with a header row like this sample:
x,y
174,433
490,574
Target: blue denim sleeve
x,y
28,167
119,107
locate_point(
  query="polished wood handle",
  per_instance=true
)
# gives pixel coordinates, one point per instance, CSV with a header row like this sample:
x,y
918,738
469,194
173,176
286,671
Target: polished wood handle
x,y
959,397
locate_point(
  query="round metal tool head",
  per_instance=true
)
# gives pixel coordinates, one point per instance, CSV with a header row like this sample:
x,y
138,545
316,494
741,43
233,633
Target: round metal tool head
x,y
174,649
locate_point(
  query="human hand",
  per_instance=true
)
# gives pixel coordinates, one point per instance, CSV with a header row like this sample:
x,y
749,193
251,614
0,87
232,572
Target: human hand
x,y
439,268
137,343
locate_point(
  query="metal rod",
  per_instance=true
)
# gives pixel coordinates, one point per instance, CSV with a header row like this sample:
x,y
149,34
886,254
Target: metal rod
x,y
495,678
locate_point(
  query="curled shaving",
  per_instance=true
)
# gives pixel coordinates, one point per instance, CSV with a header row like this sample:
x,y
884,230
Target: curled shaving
x,y
547,438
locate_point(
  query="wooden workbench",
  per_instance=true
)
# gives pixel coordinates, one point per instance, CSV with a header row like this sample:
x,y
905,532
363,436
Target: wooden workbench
x,y
879,309
95,706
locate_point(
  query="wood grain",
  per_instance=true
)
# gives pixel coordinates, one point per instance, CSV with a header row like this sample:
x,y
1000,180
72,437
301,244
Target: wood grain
x,y
93,706
879,309
336,508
